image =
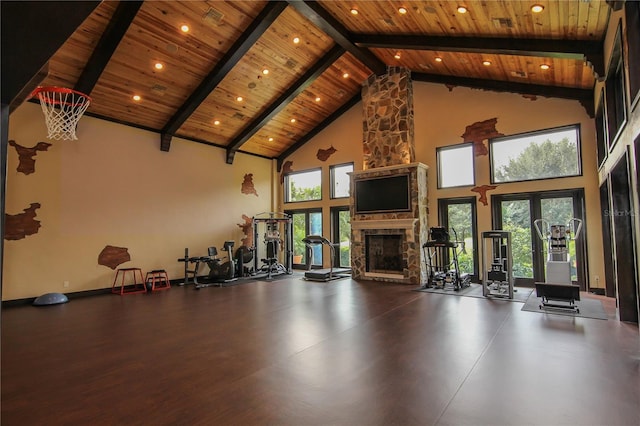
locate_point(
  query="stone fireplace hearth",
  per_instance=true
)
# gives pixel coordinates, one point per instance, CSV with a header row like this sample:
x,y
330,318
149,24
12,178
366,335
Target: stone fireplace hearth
x,y
391,203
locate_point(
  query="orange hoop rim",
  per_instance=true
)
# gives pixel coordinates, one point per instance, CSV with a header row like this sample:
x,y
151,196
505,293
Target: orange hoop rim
x,y
57,89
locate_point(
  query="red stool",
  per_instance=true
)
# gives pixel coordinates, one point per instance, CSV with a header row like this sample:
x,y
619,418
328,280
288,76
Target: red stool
x,y
138,286
157,280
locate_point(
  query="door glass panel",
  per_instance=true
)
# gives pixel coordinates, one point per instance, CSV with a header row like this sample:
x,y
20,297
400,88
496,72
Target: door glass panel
x,y
459,219
315,228
299,232
344,233
516,218
559,211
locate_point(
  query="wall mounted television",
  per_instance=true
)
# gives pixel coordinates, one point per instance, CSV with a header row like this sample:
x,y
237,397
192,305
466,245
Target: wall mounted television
x,y
385,194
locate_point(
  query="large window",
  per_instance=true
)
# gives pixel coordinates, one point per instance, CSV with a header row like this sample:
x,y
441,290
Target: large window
x,y
306,222
340,180
458,215
455,165
615,92
537,155
303,186
341,235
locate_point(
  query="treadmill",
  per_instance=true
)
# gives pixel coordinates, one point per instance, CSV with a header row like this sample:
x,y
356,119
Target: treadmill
x,y
323,275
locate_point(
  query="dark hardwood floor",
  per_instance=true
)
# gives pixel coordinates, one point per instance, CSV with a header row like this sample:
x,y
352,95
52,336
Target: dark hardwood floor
x,y
292,352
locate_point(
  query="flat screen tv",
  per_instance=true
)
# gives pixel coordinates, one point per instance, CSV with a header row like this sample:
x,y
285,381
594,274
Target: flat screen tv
x,y
384,194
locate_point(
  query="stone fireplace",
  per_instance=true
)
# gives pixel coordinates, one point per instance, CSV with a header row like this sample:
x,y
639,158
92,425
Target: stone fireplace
x,y
387,236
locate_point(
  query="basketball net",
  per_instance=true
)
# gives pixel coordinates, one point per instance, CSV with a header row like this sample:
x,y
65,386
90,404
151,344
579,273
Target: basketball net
x,y
62,109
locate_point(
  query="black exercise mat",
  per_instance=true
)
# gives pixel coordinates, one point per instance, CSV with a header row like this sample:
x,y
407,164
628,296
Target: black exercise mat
x,y
520,294
589,308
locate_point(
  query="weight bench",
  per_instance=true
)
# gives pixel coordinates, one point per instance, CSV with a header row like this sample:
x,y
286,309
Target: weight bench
x,y
568,294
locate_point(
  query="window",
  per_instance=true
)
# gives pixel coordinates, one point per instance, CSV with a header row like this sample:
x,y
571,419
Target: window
x,y
537,155
458,215
303,186
306,222
340,180
615,93
632,18
455,165
601,131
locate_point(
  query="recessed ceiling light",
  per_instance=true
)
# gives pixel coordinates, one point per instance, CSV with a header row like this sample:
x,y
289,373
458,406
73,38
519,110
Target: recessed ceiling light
x,y
317,98
265,71
397,55
537,8
296,40
184,28
270,139
345,75
137,98
158,66
293,120
239,99
545,66
216,122
402,10
462,9
354,11
438,59
486,63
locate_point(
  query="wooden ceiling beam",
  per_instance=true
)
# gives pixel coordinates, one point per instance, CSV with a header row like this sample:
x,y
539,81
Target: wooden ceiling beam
x,y
298,87
107,45
584,96
582,50
265,18
321,126
334,29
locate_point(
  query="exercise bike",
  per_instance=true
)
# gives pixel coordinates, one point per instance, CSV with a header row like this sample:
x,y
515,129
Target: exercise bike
x,y
219,272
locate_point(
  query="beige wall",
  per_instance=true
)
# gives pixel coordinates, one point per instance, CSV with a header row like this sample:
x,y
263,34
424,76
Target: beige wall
x,y
114,186
440,119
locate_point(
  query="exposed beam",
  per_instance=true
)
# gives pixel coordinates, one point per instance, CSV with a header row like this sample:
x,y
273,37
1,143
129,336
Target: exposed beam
x,y
300,85
109,41
585,96
242,45
330,25
581,50
326,122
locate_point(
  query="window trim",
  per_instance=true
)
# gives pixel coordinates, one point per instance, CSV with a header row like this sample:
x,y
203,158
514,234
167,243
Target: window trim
x,y
439,164
332,180
576,126
285,186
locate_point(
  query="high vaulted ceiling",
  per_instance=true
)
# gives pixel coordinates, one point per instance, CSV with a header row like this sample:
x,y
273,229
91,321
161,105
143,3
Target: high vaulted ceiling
x,y
231,45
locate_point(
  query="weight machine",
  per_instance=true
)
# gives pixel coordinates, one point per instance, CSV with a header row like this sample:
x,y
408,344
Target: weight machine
x,y
441,259
277,230
497,279
558,286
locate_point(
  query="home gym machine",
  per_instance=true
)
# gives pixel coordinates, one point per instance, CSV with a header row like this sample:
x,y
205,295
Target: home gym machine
x,y
323,275
219,272
497,279
277,231
441,258
558,286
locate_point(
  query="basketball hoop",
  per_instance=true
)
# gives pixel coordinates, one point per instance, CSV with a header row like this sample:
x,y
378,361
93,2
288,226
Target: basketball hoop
x,y
62,110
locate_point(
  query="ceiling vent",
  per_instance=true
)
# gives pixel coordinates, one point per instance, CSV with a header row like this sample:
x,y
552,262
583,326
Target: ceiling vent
x,y
238,116
158,89
388,22
502,22
213,16
520,74
291,64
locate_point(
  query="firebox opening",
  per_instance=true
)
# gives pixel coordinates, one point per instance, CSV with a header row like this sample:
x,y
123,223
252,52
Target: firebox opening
x,y
383,254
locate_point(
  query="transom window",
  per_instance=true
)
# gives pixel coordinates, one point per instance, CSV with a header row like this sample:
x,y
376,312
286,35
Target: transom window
x,y
303,186
455,165
536,155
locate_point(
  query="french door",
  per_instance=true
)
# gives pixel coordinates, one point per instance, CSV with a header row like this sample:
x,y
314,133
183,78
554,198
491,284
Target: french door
x,y
458,216
517,212
306,222
341,234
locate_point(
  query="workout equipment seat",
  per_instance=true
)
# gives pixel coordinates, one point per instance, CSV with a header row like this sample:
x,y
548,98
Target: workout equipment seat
x,y
128,288
157,280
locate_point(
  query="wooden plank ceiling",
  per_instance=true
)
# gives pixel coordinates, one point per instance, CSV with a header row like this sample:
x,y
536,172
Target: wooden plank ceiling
x,y
237,78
